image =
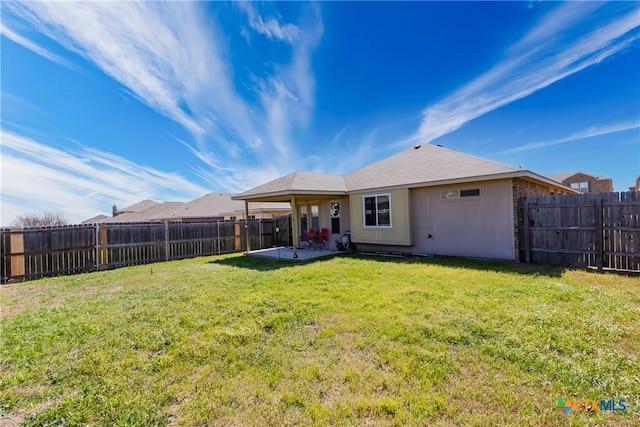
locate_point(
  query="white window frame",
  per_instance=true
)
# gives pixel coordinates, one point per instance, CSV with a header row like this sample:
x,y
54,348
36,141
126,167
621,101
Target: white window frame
x,y
364,210
457,196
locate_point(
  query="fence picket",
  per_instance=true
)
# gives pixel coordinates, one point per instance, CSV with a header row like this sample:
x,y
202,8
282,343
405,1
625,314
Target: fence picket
x,y
40,252
586,230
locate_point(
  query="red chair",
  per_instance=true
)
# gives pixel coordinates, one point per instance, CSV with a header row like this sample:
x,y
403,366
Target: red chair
x,y
311,237
324,237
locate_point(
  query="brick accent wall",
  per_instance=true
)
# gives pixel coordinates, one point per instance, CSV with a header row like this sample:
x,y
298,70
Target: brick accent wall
x,y
596,185
522,188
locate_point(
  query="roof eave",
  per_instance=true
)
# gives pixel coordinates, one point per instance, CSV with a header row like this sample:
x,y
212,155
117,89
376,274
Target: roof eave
x,y
272,194
476,178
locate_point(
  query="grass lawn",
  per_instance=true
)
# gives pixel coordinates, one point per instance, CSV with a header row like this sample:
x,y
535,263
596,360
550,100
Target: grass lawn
x,y
236,340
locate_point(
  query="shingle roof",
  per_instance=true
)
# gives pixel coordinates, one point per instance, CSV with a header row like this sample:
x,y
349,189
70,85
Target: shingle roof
x,y
422,164
154,213
96,219
208,206
257,207
561,176
140,206
300,182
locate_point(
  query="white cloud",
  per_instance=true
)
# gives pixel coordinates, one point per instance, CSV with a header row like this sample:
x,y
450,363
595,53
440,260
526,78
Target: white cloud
x,y
36,177
172,57
34,47
270,27
590,132
563,43
166,54
287,96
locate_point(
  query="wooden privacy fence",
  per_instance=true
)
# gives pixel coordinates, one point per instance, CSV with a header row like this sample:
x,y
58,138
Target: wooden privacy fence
x,y
600,230
39,252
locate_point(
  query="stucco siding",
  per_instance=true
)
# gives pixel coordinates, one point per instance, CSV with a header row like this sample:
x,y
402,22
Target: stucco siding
x,y
474,227
399,233
325,218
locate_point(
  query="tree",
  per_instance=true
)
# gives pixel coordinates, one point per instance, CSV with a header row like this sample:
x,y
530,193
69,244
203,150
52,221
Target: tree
x,y
45,219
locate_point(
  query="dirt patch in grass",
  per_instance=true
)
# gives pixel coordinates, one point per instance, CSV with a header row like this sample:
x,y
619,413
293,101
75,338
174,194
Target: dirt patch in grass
x,y
626,346
19,415
16,298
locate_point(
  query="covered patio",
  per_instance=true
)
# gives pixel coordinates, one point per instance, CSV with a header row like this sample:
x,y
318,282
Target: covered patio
x,y
319,202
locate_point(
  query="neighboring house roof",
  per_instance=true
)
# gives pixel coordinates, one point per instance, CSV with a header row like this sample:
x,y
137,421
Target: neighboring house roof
x,y
559,177
260,207
154,213
208,206
419,166
422,164
139,207
302,183
96,219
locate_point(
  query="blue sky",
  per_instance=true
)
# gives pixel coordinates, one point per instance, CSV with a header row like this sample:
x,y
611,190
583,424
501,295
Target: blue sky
x,y
114,102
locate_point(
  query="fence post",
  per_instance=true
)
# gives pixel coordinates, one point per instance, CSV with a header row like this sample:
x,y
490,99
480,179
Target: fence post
x,y
218,235
6,256
599,233
97,237
166,240
260,230
525,231
104,255
16,249
237,235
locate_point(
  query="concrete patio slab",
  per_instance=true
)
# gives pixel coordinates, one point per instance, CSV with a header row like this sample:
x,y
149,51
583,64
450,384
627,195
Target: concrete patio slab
x,y
286,253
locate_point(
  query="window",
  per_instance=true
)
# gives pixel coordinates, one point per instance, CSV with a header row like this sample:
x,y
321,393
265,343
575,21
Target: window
x,y
334,211
582,187
377,210
475,192
458,194
315,220
304,222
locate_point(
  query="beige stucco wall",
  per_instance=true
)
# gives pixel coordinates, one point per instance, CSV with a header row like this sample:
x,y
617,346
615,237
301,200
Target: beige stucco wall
x,y
324,216
474,227
400,231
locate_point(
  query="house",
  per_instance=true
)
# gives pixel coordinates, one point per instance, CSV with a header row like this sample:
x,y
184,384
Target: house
x,y
152,214
424,200
584,182
95,220
262,210
137,207
210,207
220,206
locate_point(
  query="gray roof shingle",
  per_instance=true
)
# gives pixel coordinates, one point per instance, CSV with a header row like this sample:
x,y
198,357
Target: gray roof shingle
x,y
141,206
208,206
302,182
561,176
154,213
422,164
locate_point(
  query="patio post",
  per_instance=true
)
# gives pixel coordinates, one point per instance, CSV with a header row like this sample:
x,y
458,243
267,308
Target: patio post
x,y
294,226
246,224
